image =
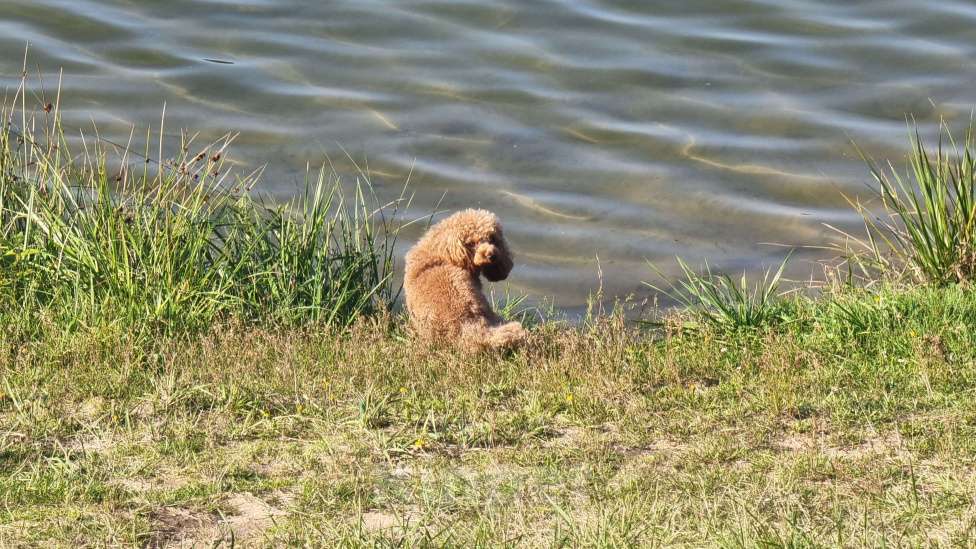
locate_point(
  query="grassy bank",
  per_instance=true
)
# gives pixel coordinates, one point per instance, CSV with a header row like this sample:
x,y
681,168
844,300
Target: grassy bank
x,y
813,433
183,364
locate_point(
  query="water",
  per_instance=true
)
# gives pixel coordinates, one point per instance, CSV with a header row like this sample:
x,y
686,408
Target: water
x,y
620,130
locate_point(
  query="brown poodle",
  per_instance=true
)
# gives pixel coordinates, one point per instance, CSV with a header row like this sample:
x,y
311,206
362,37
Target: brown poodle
x,y
443,282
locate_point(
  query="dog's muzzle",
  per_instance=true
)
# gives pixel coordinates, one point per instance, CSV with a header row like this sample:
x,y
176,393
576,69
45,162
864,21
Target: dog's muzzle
x,y
497,269
493,262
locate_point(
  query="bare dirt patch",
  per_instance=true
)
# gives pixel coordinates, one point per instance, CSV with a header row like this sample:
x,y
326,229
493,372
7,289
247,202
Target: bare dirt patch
x,y
253,516
377,520
873,445
164,482
178,527
100,443
247,519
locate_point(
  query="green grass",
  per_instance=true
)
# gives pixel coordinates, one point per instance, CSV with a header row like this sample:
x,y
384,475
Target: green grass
x,y
177,244
724,303
184,364
927,227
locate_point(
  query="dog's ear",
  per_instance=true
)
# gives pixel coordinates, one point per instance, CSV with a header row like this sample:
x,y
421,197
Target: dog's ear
x,y
450,245
460,253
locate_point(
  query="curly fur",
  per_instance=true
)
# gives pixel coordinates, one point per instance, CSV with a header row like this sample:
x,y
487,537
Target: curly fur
x,y
443,282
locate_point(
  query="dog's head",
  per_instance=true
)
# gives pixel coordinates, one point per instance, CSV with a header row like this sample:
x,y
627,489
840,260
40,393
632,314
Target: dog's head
x,y
473,240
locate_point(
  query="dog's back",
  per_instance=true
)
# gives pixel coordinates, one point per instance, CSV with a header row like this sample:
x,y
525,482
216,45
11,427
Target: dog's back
x,y
440,296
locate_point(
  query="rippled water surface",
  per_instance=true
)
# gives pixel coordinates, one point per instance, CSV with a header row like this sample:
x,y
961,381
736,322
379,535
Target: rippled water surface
x,y
624,130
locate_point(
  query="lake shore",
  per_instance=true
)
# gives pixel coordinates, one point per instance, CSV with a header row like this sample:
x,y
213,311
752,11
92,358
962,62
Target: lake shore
x,y
183,364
